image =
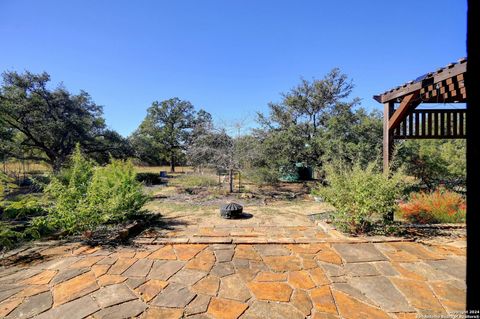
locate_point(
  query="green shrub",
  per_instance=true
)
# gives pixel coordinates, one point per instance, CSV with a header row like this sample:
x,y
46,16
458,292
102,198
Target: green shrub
x,y
8,236
24,206
439,206
85,196
361,196
194,180
262,176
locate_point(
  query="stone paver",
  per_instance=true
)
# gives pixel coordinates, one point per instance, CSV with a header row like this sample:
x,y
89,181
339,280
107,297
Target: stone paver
x,y
113,295
354,253
125,310
309,279
32,306
226,309
174,296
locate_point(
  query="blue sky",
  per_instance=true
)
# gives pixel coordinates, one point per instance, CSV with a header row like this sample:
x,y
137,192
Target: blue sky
x,y
229,57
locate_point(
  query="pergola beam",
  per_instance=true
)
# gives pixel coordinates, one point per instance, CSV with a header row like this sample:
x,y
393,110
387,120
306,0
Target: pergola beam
x,y
408,103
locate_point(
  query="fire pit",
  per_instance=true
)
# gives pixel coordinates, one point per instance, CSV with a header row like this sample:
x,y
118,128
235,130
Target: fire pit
x,y
231,211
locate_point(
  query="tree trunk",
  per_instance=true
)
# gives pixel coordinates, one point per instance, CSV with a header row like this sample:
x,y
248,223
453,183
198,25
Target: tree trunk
x,y
231,180
172,163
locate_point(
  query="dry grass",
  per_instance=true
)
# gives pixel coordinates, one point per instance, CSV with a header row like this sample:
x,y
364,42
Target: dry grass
x,y
158,169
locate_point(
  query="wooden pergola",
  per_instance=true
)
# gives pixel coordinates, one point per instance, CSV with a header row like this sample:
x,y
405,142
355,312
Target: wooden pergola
x,y
446,85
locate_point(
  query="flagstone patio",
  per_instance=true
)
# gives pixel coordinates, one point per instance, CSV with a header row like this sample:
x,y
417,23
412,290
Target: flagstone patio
x,y
336,278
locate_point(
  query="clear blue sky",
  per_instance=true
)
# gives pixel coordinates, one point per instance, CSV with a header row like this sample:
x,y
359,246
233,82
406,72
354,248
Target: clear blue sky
x,y
229,57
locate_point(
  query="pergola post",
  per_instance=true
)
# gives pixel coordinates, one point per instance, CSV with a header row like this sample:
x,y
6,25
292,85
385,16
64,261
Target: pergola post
x,y
388,109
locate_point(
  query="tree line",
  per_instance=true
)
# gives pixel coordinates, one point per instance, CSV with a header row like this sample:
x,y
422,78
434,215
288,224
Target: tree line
x,y
314,123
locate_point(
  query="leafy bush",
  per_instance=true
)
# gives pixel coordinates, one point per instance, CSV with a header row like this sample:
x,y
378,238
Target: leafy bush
x,y
8,236
361,196
262,176
194,180
439,206
24,206
85,196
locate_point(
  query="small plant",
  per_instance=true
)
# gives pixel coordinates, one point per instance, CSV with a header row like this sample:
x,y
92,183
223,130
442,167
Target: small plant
x,y
361,196
262,176
439,206
8,236
24,206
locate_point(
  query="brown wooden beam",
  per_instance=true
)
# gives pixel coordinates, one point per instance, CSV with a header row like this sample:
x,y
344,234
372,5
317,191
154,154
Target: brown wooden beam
x,y
408,103
388,109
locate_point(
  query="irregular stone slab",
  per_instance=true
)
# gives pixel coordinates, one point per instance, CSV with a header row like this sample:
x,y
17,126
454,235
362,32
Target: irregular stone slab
x,y
208,286
355,253
349,307
247,274
165,269
8,293
174,295
241,263
204,261
187,277
42,278
302,302
100,270
283,263
233,287
157,313
361,269
86,262
165,252
107,280
198,305
110,260
385,268
222,269
300,280
67,274
113,295
124,310
272,250
224,255
417,250
419,295
382,292
262,309
188,251
151,288
351,291
329,256
32,306
121,265
271,291
76,309
322,300
271,276
448,292
19,276
139,269
32,291
74,288
454,266
333,270
133,282
60,264
226,309
425,271
318,276
246,252
7,306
